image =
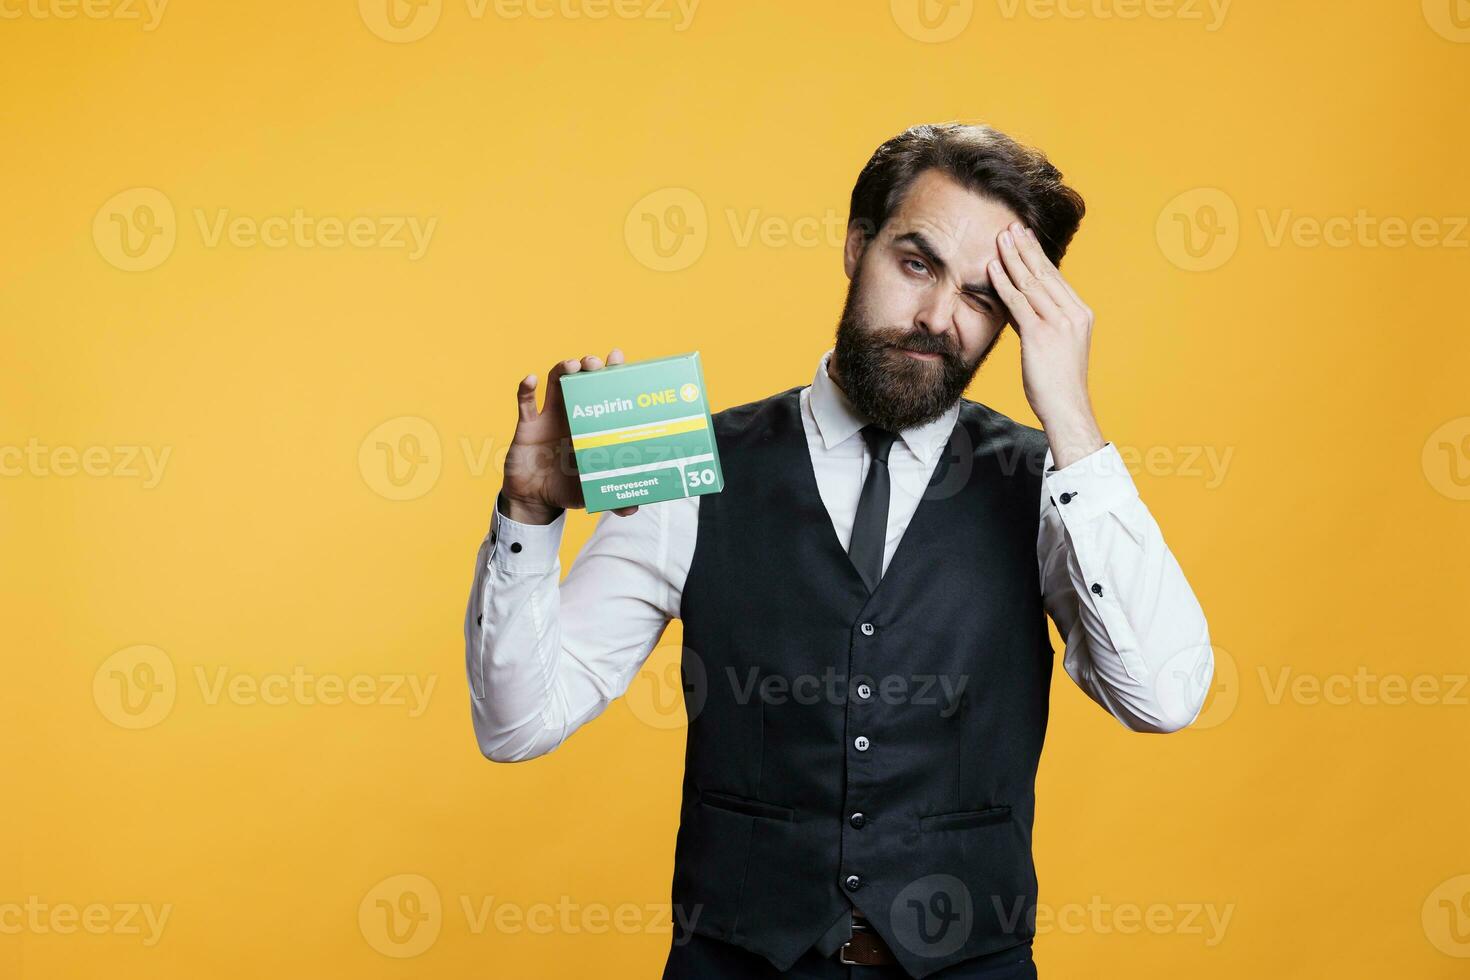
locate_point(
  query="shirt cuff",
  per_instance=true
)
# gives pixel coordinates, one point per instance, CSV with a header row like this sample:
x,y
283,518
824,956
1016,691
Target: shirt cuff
x,y
524,548
1092,485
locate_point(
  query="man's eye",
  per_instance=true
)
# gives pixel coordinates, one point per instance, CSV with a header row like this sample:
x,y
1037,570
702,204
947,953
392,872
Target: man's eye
x,y
916,262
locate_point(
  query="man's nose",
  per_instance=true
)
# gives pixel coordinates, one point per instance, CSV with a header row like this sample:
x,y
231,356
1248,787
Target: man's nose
x,y
936,314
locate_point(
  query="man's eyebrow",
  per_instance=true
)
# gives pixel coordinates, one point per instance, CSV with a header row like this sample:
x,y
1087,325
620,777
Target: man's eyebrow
x,y
926,249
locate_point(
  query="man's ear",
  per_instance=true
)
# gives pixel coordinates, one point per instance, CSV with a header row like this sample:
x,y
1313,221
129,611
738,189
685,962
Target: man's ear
x,y
853,248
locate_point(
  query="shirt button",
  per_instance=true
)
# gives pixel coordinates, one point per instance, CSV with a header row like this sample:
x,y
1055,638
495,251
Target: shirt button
x,y
857,819
853,882
864,691
861,743
1096,589
1067,497
516,546
867,629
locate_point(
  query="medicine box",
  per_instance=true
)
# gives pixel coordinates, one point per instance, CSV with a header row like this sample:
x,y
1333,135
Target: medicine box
x,y
642,432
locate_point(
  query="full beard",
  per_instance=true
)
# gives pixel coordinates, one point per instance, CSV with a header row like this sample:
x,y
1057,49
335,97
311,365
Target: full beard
x,y
888,387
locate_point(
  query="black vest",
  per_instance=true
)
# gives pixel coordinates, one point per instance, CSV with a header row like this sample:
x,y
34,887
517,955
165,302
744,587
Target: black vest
x,y
873,748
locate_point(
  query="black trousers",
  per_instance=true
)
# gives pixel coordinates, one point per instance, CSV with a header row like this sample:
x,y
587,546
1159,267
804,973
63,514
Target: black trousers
x,y
696,957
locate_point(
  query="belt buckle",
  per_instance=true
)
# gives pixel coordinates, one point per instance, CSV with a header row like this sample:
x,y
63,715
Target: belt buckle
x,y
859,924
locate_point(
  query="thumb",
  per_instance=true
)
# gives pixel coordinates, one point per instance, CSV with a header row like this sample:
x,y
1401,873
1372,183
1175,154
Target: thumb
x,y
526,399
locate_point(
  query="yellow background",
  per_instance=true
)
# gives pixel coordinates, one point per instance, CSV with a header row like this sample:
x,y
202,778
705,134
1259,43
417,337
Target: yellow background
x,y
1331,544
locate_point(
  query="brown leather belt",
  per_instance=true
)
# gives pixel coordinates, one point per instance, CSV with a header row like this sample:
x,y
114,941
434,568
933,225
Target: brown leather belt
x,y
866,947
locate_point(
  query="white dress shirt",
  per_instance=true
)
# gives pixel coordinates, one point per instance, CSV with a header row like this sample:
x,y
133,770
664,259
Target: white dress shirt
x,y
546,656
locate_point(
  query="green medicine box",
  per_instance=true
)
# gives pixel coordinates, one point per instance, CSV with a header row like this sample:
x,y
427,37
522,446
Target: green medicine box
x,y
642,432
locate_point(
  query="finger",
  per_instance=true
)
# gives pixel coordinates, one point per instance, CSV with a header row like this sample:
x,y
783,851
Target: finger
x,y
1021,312
1041,267
1022,278
1050,266
615,356
591,362
626,511
553,383
526,398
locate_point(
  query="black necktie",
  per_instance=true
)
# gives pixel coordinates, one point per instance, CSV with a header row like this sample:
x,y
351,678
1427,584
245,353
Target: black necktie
x,y
870,525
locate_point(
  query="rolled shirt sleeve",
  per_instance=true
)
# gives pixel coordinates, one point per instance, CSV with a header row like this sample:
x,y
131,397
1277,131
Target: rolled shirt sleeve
x,y
1136,638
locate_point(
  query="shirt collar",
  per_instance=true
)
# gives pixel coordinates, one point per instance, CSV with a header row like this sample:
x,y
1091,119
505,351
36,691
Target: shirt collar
x,y
837,419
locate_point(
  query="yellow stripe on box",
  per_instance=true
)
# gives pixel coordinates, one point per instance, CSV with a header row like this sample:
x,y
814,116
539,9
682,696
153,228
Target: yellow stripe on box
x,y
654,430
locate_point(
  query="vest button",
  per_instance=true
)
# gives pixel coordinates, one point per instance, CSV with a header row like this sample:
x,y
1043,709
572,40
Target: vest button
x,y
853,882
867,629
1067,497
861,743
864,691
857,819
1096,589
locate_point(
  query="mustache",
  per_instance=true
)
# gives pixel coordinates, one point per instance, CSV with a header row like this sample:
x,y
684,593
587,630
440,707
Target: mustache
x,y
922,343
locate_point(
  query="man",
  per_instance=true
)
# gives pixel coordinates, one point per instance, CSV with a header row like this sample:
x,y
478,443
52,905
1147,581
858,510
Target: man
x,y
878,528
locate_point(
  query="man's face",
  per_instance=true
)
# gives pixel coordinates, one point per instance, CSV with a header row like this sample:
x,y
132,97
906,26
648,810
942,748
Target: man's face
x,y
920,315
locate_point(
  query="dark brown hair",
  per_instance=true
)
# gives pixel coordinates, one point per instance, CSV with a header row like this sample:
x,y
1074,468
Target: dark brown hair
x,y
983,159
